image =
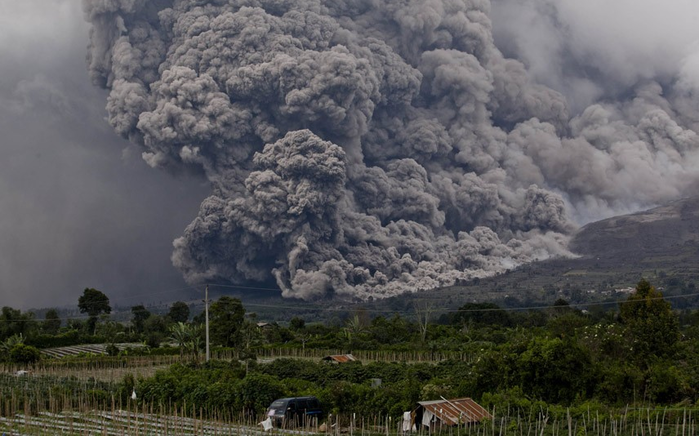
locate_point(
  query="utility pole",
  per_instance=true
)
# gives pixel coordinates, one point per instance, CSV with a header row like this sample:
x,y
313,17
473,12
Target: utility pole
x,y
206,309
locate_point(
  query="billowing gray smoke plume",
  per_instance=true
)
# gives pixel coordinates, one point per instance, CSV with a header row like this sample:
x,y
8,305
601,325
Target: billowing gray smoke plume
x,y
365,148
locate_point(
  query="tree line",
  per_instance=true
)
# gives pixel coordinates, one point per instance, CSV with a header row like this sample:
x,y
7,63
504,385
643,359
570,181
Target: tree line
x,y
640,351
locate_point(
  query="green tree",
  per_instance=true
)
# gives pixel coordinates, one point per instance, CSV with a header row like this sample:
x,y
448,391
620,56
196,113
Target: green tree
x,y
354,326
481,314
651,323
250,338
492,371
10,342
110,332
423,314
52,322
561,306
94,303
139,315
187,337
257,391
297,323
179,312
21,353
179,334
226,317
77,325
14,322
665,384
156,330
395,330
555,370
566,324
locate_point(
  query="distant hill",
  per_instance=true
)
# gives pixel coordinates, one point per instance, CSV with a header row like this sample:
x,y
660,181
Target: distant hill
x,y
671,230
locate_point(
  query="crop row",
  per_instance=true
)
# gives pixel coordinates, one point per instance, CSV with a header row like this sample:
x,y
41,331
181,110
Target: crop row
x,y
121,422
118,423
76,350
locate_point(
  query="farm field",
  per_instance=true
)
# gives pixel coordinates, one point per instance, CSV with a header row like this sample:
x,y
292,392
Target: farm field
x,y
103,368
111,374
107,368
120,422
85,402
603,372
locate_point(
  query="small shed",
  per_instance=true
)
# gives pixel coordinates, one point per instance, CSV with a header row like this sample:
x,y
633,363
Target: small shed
x,y
435,414
339,358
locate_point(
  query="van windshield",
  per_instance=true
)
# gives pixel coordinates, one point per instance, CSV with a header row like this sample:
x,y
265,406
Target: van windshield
x,y
278,405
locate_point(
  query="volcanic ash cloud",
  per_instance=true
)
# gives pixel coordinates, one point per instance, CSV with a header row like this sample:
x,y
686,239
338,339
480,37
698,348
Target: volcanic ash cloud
x,y
365,149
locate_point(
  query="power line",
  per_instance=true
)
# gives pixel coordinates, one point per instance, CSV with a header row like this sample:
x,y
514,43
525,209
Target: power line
x,y
246,287
437,309
193,288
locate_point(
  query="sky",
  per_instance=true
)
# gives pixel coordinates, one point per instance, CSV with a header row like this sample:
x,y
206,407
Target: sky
x,y
77,209
80,208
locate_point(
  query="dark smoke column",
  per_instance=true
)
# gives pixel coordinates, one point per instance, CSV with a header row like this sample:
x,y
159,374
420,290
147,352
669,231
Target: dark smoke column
x,y
359,149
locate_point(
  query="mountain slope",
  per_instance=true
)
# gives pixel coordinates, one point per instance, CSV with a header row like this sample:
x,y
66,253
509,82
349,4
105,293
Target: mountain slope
x,y
660,244
665,230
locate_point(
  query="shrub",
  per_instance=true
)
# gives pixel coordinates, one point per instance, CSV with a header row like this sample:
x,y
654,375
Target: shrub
x,y
26,354
257,391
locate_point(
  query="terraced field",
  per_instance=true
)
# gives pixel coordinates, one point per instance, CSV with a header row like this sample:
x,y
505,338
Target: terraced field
x,y
76,350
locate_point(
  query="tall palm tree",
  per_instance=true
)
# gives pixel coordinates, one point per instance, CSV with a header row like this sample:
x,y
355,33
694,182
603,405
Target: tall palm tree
x,y
194,344
353,327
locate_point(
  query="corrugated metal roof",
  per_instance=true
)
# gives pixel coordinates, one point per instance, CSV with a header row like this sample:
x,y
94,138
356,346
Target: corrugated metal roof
x,y
456,411
341,358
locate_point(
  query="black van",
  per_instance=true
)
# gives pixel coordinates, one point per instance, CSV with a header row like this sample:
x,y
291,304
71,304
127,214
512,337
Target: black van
x,y
296,411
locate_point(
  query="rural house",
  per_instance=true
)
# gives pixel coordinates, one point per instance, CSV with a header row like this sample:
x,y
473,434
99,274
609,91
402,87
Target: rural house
x,y
440,413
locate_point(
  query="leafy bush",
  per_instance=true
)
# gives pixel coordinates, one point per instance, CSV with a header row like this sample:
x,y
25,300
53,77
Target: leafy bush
x,y
213,386
665,384
24,354
555,370
257,391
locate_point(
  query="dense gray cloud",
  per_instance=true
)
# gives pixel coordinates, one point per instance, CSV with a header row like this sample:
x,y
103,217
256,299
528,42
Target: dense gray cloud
x,y
364,149
596,49
77,211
